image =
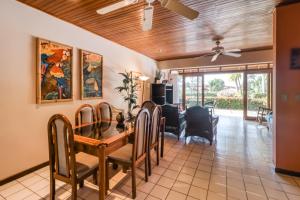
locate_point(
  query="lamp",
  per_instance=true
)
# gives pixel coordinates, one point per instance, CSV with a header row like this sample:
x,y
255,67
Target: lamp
x,y
143,79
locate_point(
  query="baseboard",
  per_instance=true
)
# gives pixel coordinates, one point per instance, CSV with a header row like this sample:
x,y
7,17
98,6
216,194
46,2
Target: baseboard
x,y
23,173
287,172
287,2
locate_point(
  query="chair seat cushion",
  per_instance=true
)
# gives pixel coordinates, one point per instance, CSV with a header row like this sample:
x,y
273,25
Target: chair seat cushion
x,y
86,163
124,154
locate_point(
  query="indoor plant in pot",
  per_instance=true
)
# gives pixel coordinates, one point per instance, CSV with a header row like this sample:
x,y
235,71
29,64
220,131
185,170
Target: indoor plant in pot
x,y
128,90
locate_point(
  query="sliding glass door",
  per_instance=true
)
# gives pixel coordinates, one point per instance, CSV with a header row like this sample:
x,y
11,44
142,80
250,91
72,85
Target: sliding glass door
x,y
258,93
193,90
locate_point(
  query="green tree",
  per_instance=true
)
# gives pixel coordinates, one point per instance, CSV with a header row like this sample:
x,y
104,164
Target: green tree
x,y
216,85
236,78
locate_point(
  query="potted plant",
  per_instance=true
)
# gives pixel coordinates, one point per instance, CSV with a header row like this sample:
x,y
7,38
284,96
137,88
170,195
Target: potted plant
x,y
128,90
158,76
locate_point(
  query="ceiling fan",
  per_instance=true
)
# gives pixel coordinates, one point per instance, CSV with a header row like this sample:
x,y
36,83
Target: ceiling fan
x,y
220,50
173,5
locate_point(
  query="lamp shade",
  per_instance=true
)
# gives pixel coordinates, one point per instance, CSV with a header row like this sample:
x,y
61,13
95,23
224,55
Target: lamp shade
x,y
143,78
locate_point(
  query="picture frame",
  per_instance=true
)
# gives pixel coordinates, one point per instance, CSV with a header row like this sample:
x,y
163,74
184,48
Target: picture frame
x,y
295,58
54,72
91,75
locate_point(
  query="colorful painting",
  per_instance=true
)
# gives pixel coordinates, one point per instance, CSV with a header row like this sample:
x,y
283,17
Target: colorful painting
x,y
54,80
91,75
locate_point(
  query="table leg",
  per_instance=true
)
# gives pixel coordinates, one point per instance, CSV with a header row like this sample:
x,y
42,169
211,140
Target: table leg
x,y
102,186
162,131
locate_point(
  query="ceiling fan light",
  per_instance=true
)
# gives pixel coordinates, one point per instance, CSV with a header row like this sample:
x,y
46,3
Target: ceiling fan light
x,y
148,17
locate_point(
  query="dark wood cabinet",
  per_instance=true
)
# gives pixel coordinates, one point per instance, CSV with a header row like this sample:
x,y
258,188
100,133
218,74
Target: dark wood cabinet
x,y
162,93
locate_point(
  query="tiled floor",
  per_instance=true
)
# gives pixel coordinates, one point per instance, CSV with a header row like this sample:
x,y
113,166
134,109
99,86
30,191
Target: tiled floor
x,y
238,166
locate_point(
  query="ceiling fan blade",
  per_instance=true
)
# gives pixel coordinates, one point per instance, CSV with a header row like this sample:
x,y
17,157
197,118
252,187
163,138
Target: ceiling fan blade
x,y
179,8
236,55
214,58
233,50
115,6
148,18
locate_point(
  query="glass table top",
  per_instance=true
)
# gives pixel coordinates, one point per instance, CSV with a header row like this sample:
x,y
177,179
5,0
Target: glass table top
x,y
99,130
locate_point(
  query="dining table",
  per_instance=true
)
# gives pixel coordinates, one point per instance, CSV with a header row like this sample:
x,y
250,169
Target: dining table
x,y
102,138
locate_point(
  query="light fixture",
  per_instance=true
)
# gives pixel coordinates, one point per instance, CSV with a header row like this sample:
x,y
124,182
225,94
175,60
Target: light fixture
x,y
174,72
143,78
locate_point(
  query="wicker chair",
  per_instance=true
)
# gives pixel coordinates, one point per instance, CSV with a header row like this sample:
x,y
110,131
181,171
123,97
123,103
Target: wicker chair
x,y
200,123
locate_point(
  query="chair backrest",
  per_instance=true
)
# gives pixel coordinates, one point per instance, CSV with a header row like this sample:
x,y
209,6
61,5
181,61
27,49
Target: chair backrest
x,y
85,114
150,105
155,115
155,125
197,118
61,147
171,112
104,112
141,134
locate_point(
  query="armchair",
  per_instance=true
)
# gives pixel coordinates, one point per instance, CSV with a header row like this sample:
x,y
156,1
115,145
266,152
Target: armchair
x,y
201,123
175,120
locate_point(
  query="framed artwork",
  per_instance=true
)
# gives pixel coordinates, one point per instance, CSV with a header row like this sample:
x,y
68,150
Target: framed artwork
x,y
91,71
295,58
54,72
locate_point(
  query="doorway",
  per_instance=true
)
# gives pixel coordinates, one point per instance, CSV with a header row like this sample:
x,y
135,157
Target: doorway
x,y
257,92
237,93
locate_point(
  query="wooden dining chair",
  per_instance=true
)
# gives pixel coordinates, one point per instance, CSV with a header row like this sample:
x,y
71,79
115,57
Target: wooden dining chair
x,y
104,112
85,114
155,115
132,155
64,164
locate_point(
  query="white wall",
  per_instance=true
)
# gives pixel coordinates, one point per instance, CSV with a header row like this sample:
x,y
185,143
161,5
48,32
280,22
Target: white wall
x,y
23,135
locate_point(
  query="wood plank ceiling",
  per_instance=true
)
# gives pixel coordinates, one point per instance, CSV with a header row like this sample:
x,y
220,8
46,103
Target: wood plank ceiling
x,y
245,24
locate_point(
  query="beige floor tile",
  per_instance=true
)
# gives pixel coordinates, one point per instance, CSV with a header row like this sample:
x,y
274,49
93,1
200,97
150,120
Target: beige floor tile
x,y
188,170
202,175
154,178
255,196
256,189
200,183
175,167
20,195
32,180
190,198
39,185
198,193
293,197
160,192
149,197
181,187
173,195
33,197
279,195
185,178
236,183
215,196
166,182
171,174
236,193
158,170
291,189
269,184
11,189
7,185
145,187
204,168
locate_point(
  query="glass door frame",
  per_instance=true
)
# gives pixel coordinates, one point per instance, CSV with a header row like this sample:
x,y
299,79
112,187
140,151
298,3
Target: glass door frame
x,y
245,90
183,87
245,94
